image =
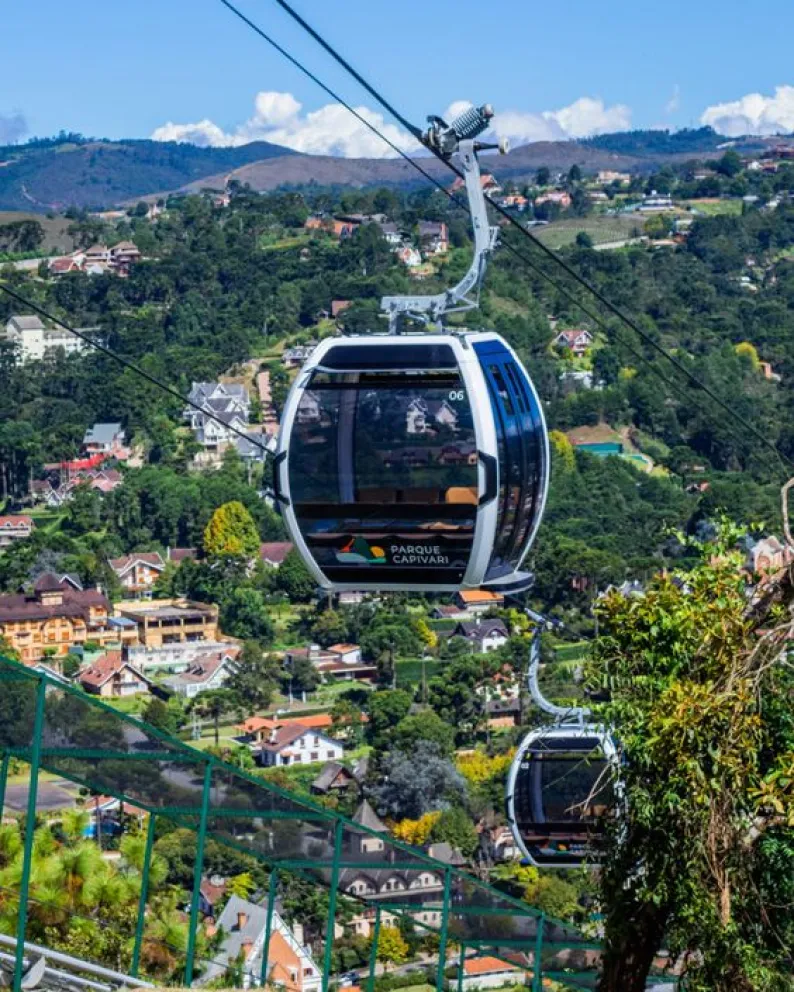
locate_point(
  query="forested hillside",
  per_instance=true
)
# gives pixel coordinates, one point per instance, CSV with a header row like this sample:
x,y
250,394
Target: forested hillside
x,y
222,287
53,175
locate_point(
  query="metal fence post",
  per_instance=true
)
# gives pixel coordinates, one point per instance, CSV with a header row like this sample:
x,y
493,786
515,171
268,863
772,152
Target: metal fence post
x,y
197,871
30,829
537,978
3,783
144,894
461,962
329,931
271,905
442,946
373,952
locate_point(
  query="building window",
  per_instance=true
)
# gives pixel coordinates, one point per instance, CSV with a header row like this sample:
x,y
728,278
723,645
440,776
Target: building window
x,y
314,756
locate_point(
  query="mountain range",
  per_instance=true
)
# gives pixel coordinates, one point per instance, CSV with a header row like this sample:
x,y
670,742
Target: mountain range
x,y
71,171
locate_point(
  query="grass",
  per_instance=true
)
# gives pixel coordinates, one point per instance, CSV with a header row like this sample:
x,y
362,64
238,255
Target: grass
x,y
571,652
410,672
55,229
717,206
602,228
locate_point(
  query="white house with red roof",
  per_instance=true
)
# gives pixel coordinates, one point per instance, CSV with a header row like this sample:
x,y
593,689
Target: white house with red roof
x,y
296,744
111,676
15,528
578,341
138,572
490,973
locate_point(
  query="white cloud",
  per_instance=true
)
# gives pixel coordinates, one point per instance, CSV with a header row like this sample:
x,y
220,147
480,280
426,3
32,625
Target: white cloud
x,y
753,114
583,117
278,117
674,102
332,130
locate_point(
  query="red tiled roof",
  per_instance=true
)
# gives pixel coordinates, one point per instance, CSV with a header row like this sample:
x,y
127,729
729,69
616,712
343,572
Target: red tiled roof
x,y
105,666
343,648
16,521
75,603
486,965
151,558
275,551
480,596
180,554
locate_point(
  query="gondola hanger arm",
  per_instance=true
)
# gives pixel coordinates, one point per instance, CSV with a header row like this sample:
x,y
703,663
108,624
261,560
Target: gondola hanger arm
x,y
457,138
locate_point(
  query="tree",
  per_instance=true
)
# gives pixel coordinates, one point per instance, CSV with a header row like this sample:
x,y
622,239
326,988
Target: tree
x,y
392,947
329,628
304,676
574,174
455,827
425,726
254,678
542,176
231,533
385,709
295,580
584,240
730,164
82,510
707,755
214,704
417,783
169,716
244,615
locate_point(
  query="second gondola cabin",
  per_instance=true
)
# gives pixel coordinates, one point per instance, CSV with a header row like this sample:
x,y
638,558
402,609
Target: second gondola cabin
x,y
413,463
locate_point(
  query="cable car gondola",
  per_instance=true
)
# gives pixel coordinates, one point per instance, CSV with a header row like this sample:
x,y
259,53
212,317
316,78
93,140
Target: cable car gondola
x,y
417,461
559,791
562,783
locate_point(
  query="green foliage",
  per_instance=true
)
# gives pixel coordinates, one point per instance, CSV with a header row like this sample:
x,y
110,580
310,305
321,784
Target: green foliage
x,y
701,755
424,726
253,680
231,533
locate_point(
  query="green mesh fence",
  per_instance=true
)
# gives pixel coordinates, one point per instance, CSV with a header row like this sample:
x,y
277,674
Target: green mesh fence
x,y
56,727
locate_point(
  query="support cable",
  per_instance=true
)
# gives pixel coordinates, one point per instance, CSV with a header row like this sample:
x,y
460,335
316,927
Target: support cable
x,y
127,364
693,380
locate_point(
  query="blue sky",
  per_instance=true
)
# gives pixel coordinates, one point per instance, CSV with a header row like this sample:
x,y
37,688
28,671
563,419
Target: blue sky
x,y
125,70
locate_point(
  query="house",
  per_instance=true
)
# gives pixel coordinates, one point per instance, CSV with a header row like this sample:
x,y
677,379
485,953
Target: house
x,y
98,255
310,410
559,197
483,635
110,676
339,306
768,373
448,612
479,600
223,409
423,415
296,744
502,714
656,202
178,555
211,892
578,341
606,176
208,671
106,439
409,256
273,553
433,237
334,777
243,924
768,557
489,185
15,528
490,973
138,572
123,255
34,340
55,618
294,357
61,266
340,661
391,233
172,621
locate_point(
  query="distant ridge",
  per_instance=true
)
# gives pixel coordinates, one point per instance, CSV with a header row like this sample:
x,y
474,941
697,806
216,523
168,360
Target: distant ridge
x,y
46,176
53,174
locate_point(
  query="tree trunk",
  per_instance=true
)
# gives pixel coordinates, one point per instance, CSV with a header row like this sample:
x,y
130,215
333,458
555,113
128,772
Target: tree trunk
x,y
629,955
